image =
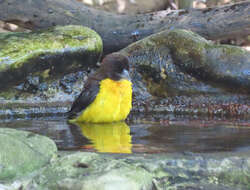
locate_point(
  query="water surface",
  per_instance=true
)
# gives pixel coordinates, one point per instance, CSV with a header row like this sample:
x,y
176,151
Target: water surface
x,y
152,134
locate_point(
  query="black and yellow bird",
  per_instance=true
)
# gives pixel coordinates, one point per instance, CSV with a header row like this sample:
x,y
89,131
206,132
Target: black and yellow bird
x,y
107,94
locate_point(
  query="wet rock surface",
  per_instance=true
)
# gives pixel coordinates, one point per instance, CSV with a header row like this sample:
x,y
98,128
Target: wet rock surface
x,y
165,171
23,152
52,97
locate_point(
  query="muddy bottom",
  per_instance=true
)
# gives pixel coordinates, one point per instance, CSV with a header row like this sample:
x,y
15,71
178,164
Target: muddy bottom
x,y
144,134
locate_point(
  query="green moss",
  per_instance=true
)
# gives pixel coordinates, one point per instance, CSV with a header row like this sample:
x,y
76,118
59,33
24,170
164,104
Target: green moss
x,y
189,45
60,49
186,44
18,47
228,50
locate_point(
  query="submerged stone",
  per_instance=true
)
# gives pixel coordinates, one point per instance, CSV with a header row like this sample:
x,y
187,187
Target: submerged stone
x,y
23,152
46,53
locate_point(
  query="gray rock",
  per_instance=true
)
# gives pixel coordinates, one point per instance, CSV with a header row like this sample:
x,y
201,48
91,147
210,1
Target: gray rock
x,y
23,152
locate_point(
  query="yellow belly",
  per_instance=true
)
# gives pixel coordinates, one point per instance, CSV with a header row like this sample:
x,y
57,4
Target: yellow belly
x,y
112,103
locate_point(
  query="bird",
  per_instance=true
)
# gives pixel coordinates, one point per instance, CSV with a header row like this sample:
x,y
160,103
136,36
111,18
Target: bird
x,y
107,94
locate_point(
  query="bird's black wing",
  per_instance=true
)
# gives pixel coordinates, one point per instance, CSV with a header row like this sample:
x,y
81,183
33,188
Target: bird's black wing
x,y
86,97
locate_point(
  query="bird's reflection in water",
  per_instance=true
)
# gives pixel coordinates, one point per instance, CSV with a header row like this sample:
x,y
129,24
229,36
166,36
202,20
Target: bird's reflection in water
x,y
108,137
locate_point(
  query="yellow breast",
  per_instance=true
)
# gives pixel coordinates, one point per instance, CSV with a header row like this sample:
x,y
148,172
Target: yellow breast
x,y
112,103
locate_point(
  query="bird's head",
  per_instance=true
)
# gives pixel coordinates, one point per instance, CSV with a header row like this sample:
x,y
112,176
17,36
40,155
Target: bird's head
x,y
116,66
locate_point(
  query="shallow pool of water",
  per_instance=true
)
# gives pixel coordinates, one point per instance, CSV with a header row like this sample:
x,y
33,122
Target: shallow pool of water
x,y
152,134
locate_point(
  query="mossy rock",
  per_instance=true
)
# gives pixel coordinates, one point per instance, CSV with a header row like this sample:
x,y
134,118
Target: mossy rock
x,y
222,66
23,152
46,53
180,62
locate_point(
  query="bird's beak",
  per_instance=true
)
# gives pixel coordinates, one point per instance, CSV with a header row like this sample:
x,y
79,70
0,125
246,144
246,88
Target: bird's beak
x,y
125,75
